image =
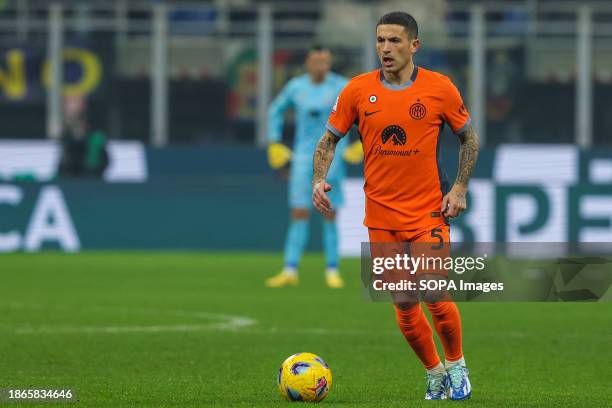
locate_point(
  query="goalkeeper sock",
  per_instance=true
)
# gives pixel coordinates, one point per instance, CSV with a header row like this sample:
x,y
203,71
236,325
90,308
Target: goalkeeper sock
x,y
297,236
290,270
331,271
330,244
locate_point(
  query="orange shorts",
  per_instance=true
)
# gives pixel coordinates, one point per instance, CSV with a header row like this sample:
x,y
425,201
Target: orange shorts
x,y
428,251
439,234
431,244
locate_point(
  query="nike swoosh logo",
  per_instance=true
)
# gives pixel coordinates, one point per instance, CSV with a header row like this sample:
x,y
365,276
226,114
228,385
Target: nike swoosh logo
x,y
371,113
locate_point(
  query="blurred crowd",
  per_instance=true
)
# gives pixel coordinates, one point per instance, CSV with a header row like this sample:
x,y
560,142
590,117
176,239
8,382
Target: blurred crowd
x,y
213,59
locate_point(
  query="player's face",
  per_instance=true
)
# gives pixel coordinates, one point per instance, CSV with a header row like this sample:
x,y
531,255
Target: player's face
x,y
318,64
394,47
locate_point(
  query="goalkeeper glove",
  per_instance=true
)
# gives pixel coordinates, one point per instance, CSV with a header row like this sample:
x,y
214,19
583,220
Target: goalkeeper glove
x,y
278,155
354,153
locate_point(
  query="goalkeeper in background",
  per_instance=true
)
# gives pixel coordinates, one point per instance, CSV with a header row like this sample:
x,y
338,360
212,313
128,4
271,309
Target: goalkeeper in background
x,y
312,97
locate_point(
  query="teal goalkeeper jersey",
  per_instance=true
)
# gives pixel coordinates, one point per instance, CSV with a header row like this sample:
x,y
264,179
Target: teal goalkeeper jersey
x,y
312,104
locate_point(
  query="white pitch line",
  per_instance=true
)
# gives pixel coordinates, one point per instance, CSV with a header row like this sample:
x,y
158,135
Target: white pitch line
x,y
126,329
220,321
241,327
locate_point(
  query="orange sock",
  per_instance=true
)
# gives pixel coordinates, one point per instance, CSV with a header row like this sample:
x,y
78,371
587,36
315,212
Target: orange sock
x,y
447,320
417,331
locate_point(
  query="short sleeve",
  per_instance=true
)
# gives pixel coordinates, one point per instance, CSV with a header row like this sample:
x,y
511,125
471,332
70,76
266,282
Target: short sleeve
x,y
343,113
454,111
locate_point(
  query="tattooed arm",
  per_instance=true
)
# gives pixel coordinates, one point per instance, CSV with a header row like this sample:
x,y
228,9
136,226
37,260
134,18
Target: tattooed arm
x,y
455,201
323,156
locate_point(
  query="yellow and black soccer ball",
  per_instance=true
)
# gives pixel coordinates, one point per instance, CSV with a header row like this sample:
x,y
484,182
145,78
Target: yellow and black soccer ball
x,y
304,377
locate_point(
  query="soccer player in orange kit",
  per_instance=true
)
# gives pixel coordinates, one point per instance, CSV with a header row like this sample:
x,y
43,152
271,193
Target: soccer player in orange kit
x,y
400,111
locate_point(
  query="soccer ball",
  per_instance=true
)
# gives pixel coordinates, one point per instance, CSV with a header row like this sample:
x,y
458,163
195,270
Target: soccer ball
x,y
304,377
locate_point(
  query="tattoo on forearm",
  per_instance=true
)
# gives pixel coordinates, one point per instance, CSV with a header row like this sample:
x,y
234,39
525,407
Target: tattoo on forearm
x,y
468,153
323,156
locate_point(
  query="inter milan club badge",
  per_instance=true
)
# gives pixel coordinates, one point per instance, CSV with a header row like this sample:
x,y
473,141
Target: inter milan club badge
x,y
417,110
373,98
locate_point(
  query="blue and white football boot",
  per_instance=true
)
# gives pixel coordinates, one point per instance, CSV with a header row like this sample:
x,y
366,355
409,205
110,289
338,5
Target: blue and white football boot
x,y
437,386
459,387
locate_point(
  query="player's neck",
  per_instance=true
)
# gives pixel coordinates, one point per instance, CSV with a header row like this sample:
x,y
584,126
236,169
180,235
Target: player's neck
x,y
400,77
317,79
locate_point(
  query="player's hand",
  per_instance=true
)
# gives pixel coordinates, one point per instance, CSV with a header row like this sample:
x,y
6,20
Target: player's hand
x,y
278,155
320,200
454,202
354,153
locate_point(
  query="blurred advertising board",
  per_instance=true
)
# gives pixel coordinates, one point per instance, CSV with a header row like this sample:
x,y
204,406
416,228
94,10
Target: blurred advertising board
x,y
197,198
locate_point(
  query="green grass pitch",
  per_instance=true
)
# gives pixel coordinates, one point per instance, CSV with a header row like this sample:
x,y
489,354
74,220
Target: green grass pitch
x,y
195,329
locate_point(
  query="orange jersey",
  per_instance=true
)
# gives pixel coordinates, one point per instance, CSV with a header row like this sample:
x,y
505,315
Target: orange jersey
x,y
400,127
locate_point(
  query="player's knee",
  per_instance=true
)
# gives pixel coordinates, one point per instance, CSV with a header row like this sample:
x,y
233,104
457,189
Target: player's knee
x,y
405,306
300,214
434,297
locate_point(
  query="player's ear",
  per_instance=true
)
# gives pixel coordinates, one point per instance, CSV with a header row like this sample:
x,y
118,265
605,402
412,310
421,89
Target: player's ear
x,y
415,43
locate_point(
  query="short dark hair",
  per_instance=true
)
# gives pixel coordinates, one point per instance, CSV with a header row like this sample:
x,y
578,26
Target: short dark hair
x,y
317,48
403,19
